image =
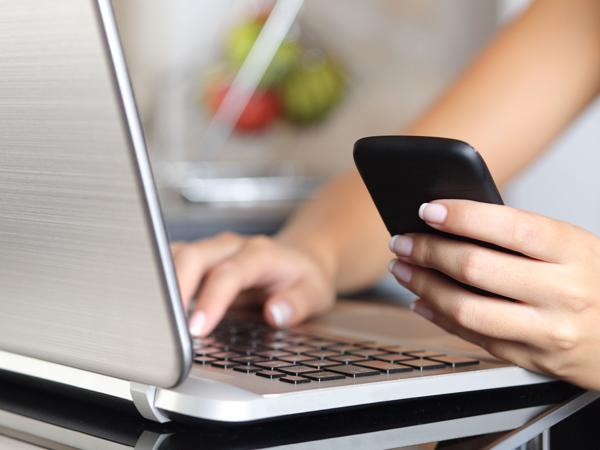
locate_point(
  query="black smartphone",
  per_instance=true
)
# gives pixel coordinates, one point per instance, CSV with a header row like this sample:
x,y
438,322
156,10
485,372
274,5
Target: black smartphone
x,y
403,172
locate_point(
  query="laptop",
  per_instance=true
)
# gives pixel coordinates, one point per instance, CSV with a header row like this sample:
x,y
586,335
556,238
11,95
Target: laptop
x,y
89,297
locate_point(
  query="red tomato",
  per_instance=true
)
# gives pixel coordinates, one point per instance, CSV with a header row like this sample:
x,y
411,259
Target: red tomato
x,y
262,108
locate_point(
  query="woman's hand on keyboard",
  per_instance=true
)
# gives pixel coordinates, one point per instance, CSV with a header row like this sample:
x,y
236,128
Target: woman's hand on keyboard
x,y
553,324
292,282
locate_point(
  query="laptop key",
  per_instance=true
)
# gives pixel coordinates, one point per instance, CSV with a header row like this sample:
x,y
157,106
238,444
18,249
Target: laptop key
x,y
225,355
424,354
424,364
342,348
296,339
393,358
293,379
324,376
273,364
272,374
321,354
354,371
455,361
296,370
248,359
275,335
346,359
374,345
203,359
206,351
295,359
276,345
384,366
224,364
272,354
320,363
247,369
394,348
243,349
299,348
319,343
367,352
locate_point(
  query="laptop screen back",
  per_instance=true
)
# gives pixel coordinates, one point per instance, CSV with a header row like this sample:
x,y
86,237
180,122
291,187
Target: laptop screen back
x,y
85,274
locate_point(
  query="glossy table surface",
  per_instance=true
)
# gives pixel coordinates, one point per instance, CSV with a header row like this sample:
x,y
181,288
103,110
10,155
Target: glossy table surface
x,y
43,415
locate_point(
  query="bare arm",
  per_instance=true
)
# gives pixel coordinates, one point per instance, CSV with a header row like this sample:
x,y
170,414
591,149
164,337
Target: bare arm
x,y
513,100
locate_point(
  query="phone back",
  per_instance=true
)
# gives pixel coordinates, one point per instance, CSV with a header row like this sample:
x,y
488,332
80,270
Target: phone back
x,y
403,172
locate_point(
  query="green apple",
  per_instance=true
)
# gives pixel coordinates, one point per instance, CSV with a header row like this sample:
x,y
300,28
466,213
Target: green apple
x,y
310,91
240,42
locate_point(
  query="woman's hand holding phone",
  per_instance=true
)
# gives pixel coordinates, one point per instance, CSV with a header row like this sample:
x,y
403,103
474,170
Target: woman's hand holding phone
x,y
552,327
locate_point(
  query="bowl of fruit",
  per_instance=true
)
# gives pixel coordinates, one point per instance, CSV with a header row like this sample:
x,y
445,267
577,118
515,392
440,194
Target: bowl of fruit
x,y
301,85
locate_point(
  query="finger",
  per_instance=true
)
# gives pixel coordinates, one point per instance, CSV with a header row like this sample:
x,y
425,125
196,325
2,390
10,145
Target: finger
x,y
524,232
252,266
525,279
422,308
494,318
514,352
193,260
292,306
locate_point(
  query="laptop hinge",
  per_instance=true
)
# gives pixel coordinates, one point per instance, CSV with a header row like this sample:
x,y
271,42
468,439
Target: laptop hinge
x,y
143,397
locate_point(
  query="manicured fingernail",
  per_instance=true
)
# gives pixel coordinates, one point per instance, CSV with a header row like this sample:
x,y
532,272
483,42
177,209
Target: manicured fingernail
x,y
421,310
401,271
197,323
401,245
281,311
433,212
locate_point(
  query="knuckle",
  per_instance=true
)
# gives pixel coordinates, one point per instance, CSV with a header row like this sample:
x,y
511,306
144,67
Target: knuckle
x,y
259,241
564,335
576,297
227,236
523,229
494,347
419,285
226,269
422,252
461,313
470,266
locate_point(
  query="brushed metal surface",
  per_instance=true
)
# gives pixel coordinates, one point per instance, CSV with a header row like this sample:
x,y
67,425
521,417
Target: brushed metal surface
x,y
85,276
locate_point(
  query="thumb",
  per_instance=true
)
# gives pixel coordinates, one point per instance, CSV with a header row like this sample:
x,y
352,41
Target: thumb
x,y
294,305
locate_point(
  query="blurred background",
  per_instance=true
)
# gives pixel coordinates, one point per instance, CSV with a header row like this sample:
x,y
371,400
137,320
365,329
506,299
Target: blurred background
x,y
240,133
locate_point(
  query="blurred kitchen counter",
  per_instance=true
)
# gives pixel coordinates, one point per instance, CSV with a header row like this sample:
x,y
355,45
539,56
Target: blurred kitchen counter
x,y
188,221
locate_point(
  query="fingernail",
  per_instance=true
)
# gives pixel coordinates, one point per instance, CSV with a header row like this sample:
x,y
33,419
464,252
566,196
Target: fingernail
x,y
401,245
421,310
401,271
433,212
281,311
197,323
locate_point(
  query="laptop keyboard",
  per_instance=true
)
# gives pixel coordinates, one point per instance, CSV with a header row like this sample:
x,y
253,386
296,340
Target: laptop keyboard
x,y
287,356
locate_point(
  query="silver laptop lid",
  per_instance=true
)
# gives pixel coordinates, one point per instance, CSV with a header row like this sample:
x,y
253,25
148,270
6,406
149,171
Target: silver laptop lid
x,y
86,278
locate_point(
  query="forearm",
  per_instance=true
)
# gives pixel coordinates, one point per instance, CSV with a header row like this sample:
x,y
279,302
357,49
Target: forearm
x,y
525,87
510,103
341,227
